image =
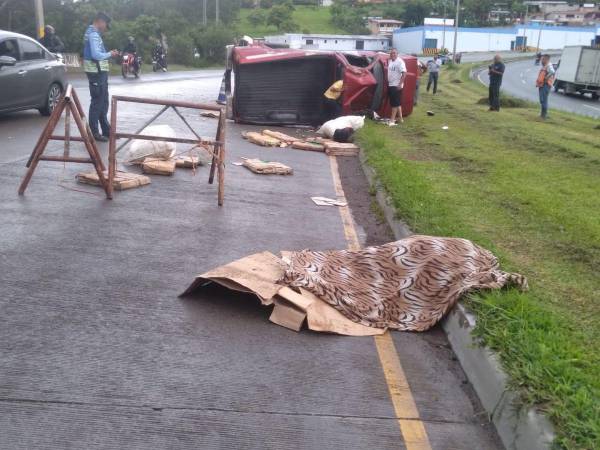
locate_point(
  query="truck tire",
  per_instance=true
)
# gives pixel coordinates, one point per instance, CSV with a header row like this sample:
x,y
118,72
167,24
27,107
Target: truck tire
x,y
595,96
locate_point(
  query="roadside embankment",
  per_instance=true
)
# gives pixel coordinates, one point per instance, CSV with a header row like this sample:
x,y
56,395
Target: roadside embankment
x,y
528,190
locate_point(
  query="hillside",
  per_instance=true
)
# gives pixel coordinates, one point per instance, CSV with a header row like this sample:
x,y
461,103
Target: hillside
x,y
309,19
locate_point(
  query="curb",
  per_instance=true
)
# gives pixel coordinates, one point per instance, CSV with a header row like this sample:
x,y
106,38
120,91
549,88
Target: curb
x,y
519,427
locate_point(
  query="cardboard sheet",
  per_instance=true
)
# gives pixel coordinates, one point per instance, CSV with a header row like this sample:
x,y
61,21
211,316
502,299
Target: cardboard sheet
x,y
258,274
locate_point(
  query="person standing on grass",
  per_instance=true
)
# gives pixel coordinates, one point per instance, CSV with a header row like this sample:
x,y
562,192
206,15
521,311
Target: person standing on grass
x,y
544,83
433,66
396,73
96,66
495,72
421,69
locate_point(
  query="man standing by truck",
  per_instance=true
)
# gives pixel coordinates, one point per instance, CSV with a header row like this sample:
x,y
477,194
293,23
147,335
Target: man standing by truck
x,y
496,71
544,83
96,65
396,72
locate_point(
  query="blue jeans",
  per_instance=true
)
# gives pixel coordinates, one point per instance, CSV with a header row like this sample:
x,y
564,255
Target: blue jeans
x,y
544,93
98,102
433,78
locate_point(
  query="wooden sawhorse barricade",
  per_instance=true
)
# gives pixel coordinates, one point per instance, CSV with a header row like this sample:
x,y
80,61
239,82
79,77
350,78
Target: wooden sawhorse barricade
x,y
70,104
218,144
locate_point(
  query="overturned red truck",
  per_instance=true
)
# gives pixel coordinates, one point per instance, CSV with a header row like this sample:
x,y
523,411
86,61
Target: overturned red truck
x,y
277,86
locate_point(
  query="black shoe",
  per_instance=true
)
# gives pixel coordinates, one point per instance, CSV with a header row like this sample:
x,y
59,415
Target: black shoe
x,y
100,138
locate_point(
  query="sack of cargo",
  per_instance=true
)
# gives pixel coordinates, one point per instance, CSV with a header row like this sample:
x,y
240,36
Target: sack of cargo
x,y
140,149
354,122
261,139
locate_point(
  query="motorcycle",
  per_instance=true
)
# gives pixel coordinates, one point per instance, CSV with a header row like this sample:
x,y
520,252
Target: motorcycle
x,y
131,64
159,61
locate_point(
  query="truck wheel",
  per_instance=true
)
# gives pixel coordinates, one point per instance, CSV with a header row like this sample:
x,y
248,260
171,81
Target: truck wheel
x,y
556,87
595,96
52,98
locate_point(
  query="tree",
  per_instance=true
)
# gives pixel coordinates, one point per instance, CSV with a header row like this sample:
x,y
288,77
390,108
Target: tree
x,y
257,17
281,17
415,12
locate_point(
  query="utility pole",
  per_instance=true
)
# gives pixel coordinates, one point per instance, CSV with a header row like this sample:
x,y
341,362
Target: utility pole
x,y
444,29
525,27
38,6
541,24
204,13
217,11
456,30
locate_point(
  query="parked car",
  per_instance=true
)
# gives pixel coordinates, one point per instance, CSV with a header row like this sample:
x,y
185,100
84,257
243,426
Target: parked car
x,y
30,76
285,86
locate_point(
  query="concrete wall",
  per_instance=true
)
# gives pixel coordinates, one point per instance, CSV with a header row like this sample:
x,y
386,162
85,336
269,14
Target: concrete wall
x,y
408,40
473,39
557,37
412,40
334,43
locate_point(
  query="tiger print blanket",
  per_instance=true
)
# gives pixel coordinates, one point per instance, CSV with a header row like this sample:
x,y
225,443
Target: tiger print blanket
x,y
405,285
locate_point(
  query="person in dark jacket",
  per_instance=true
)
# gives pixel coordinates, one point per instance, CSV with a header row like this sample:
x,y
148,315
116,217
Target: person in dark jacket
x,y
51,41
495,72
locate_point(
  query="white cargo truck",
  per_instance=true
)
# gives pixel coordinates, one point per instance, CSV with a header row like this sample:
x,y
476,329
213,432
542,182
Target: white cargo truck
x,y
579,71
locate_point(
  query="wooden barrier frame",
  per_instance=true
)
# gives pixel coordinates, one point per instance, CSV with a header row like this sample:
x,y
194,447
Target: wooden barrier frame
x,y
218,145
69,102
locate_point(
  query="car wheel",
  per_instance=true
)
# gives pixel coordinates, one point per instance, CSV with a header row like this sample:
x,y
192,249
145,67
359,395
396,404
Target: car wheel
x,y
52,98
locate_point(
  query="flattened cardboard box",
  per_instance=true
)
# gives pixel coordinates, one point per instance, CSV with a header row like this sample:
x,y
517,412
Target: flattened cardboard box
x,y
258,274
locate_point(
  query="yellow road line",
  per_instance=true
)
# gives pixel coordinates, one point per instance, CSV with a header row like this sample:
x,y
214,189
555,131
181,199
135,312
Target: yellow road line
x,y
411,427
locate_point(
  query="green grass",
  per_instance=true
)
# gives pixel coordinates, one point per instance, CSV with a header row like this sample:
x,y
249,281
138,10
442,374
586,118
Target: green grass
x,y
315,20
529,191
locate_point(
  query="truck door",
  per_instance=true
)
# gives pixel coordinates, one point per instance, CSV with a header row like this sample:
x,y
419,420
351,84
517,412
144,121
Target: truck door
x,y
359,87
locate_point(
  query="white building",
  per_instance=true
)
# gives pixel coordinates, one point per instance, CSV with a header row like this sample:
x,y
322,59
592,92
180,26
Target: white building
x,y
430,38
336,42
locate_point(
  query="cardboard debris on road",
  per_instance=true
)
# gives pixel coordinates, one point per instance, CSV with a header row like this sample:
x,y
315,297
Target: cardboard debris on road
x,y
209,114
301,145
153,166
339,149
261,139
267,167
122,181
258,274
188,162
325,201
281,136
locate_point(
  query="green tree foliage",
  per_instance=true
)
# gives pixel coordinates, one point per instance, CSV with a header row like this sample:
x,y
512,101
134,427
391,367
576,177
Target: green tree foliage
x,y
281,17
349,16
257,17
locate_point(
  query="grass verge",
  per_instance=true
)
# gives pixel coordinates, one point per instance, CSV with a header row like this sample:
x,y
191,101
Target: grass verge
x,y
529,191
309,19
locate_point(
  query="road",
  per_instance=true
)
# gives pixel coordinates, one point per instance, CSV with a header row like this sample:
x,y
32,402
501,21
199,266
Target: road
x,y
98,351
519,81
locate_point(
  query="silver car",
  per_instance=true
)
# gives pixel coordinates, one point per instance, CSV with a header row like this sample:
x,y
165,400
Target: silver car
x,y
30,76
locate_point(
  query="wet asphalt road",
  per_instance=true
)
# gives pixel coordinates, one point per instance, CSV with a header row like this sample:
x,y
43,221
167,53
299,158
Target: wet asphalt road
x,y
98,351
519,81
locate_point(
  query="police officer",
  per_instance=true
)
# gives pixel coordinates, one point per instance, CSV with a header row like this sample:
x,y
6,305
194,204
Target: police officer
x,y
96,65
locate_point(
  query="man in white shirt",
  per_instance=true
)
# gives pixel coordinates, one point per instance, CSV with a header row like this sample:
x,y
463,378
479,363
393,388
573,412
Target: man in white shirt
x,y
396,73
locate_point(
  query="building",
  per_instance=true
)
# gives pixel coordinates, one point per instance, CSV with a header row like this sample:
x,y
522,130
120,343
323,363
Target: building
x,y
431,38
335,42
561,13
383,27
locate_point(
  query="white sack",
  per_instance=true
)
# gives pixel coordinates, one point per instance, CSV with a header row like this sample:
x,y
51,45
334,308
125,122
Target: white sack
x,y
140,149
354,122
